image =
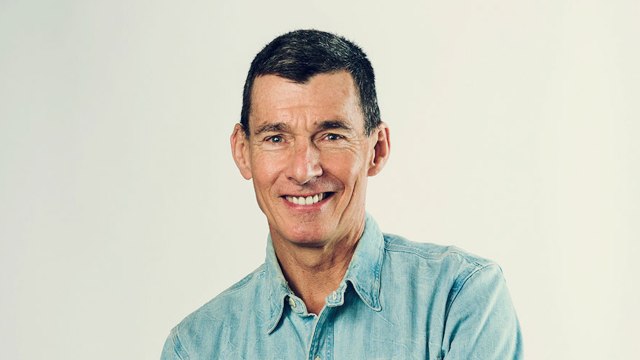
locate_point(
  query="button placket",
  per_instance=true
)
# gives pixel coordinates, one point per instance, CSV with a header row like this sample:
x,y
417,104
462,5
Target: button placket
x,y
321,346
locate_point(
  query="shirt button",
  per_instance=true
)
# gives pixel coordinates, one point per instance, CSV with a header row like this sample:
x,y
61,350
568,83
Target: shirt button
x,y
292,303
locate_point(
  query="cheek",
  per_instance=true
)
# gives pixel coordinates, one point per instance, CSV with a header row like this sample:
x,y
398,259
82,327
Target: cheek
x,y
265,168
348,167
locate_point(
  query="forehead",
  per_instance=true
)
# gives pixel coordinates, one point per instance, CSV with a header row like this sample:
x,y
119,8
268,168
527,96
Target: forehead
x,y
327,96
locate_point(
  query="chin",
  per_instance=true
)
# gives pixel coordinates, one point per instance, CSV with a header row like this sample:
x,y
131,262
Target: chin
x,y
306,237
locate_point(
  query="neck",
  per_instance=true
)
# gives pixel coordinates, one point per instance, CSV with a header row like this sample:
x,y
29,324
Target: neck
x,y
314,272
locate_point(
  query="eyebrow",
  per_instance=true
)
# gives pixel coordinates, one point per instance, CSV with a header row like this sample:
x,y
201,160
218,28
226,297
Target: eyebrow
x,y
334,124
283,127
274,127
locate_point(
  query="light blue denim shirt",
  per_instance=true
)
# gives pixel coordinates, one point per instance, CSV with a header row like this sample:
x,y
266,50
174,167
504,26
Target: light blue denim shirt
x,y
398,300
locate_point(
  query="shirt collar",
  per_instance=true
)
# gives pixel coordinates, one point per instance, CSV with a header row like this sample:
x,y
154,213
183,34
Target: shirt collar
x,y
366,265
363,273
277,286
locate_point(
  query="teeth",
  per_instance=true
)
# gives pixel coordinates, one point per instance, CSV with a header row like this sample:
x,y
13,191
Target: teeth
x,y
309,200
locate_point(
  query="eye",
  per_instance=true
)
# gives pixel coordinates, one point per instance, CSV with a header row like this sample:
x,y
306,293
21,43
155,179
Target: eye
x,y
275,139
333,137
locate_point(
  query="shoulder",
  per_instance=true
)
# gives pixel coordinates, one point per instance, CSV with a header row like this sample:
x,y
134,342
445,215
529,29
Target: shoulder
x,y
395,244
449,264
231,299
220,315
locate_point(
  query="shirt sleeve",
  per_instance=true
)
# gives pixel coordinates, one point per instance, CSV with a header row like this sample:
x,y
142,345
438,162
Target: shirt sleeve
x,y
481,323
173,349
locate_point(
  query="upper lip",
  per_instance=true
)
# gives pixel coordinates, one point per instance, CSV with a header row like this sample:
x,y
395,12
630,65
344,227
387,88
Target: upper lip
x,y
308,194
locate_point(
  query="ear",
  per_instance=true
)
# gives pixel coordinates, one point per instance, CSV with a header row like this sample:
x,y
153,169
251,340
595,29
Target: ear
x,y
381,149
240,151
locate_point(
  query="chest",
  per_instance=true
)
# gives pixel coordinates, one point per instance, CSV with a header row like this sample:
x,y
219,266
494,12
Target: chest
x,y
350,331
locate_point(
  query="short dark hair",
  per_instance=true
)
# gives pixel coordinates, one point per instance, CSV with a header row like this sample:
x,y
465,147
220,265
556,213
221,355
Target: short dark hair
x,y
301,54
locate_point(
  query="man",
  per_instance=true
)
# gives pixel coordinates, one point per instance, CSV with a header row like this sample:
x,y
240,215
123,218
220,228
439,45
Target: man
x,y
333,286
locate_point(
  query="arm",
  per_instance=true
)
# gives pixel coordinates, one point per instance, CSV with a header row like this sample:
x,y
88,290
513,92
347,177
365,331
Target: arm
x,y
481,322
173,349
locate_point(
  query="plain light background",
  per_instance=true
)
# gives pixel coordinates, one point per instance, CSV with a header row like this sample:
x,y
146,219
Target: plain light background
x,y
514,135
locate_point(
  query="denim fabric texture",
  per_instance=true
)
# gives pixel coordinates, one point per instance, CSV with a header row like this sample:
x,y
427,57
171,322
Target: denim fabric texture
x,y
398,300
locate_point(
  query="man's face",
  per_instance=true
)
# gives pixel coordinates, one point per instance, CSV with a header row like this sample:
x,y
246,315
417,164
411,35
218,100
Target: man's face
x,y
309,157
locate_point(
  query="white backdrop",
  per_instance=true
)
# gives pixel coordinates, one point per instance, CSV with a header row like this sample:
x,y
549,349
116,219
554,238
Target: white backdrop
x,y
514,135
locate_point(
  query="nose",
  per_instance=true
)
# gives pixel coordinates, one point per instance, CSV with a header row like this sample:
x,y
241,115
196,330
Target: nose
x,y
304,164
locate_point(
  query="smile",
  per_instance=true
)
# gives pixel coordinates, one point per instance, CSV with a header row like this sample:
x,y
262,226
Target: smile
x,y
307,200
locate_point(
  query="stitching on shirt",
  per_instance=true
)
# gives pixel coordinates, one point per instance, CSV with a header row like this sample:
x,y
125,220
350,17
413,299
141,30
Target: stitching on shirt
x,y
464,282
433,255
459,290
177,346
392,245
